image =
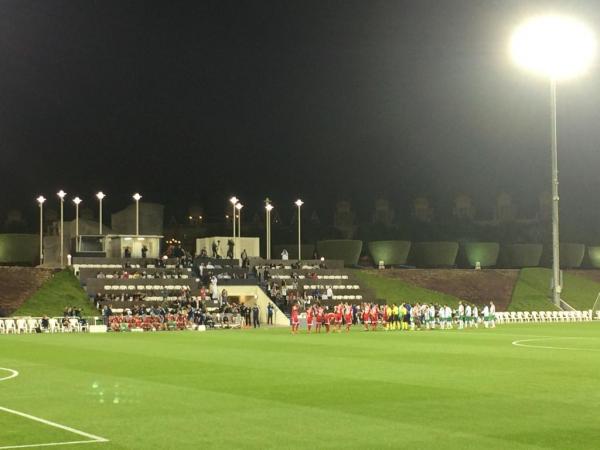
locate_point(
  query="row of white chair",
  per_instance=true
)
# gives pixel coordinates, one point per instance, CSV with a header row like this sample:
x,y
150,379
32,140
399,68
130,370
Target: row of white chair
x,y
110,276
319,277
545,316
22,325
332,286
337,297
140,287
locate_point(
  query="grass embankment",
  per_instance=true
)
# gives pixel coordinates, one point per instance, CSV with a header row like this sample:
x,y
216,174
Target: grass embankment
x,y
396,291
532,291
60,291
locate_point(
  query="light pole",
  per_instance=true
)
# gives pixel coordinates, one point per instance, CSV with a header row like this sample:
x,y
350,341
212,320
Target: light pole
x,y
100,196
233,200
268,209
137,198
239,207
299,203
41,201
62,194
558,48
77,201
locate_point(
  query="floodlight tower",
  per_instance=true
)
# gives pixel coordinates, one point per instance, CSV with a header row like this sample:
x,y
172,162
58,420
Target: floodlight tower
x,y
233,200
100,196
268,209
299,203
77,201
41,201
61,195
239,207
137,197
558,48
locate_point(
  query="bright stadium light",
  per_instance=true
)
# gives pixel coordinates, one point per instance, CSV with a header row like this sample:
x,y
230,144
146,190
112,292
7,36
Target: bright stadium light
x,y
554,46
100,196
62,194
41,199
137,197
558,48
299,203
77,201
233,200
268,207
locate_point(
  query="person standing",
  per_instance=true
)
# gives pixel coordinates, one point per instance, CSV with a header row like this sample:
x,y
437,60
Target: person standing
x,y
294,318
270,314
492,315
284,255
255,316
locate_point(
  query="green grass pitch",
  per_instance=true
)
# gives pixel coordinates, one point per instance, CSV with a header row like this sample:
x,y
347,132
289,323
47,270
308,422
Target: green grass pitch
x,y
469,389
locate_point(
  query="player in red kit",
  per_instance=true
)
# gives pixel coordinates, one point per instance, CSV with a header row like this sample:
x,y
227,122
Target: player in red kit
x,y
329,320
366,316
348,316
309,318
339,311
295,318
319,318
374,317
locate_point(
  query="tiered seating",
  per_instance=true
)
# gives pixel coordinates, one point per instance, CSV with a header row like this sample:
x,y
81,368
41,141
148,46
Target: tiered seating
x,y
314,279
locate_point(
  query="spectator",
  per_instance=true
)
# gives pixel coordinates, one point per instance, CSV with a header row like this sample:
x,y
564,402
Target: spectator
x,y
144,251
270,314
284,255
255,316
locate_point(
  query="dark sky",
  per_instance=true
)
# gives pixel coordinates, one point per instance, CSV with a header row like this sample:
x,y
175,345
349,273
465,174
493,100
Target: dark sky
x,y
189,102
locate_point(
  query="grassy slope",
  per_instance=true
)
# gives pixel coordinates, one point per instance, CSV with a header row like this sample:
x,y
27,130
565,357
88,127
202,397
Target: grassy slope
x,y
62,290
266,389
394,290
533,287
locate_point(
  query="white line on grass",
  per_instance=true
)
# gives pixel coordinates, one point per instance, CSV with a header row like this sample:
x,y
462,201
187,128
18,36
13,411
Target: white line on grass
x,y
13,374
520,343
93,438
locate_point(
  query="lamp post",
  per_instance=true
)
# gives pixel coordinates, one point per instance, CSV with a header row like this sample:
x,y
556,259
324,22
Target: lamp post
x,y
233,200
62,194
100,195
41,201
239,207
299,203
268,209
137,198
77,201
558,48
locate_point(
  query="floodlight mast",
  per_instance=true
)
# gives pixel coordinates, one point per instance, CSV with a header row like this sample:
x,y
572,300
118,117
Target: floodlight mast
x,y
558,48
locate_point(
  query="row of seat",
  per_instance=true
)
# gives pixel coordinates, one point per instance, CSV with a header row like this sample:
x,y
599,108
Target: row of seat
x,y
133,277
140,287
18,326
337,297
333,286
302,277
545,316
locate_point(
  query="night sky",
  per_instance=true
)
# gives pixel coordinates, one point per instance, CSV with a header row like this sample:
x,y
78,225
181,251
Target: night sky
x,y
188,103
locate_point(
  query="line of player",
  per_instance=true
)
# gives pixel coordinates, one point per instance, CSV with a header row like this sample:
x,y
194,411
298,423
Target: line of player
x,y
403,316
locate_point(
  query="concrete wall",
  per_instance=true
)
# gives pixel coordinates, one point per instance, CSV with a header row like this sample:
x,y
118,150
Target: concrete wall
x,y
151,219
250,244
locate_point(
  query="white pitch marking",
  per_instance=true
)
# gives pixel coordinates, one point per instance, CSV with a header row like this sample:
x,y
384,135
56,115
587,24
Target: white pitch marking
x,y
50,444
93,438
519,343
13,374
